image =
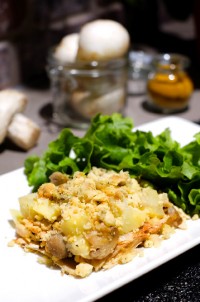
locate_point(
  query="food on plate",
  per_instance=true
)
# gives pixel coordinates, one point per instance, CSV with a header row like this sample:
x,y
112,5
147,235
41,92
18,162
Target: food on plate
x,y
66,50
88,222
21,130
112,143
103,40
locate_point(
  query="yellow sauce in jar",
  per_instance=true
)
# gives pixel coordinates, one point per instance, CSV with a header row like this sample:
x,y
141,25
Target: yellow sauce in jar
x,y
169,87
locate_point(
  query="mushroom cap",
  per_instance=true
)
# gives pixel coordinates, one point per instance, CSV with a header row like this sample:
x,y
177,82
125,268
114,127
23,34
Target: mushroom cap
x,y
66,50
103,40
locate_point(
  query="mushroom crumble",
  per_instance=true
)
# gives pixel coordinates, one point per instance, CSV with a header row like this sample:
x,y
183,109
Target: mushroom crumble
x,y
93,221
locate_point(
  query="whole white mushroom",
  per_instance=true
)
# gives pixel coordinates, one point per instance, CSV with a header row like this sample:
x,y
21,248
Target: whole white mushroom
x,y
103,40
66,51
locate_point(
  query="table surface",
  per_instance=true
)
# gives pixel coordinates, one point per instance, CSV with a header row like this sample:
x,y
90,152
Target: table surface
x,y
39,103
177,280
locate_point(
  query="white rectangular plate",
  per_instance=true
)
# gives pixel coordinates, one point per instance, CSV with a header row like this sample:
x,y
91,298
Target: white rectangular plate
x,y
24,279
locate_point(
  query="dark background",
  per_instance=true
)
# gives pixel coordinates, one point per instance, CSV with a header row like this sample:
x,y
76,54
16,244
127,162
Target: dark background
x,y
33,26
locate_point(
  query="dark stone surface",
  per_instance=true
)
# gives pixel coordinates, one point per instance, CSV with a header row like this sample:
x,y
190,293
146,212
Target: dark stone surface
x,y
175,281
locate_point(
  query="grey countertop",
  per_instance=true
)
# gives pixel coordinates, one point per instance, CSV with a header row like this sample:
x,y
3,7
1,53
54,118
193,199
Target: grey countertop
x,y
38,108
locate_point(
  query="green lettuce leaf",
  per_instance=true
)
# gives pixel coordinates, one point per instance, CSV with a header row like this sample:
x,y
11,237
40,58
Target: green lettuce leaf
x,y
111,143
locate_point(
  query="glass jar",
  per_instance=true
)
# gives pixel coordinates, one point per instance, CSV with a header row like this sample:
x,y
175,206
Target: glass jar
x,y
169,87
139,68
80,90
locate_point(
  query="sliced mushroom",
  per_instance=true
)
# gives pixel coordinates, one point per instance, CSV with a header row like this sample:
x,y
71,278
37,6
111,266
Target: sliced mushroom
x,y
58,178
56,246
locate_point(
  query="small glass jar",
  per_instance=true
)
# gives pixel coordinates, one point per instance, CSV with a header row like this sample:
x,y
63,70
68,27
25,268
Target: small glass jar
x,y
80,90
139,68
169,87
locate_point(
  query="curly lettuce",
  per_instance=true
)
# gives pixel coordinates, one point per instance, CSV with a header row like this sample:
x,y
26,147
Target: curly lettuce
x,y
111,143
